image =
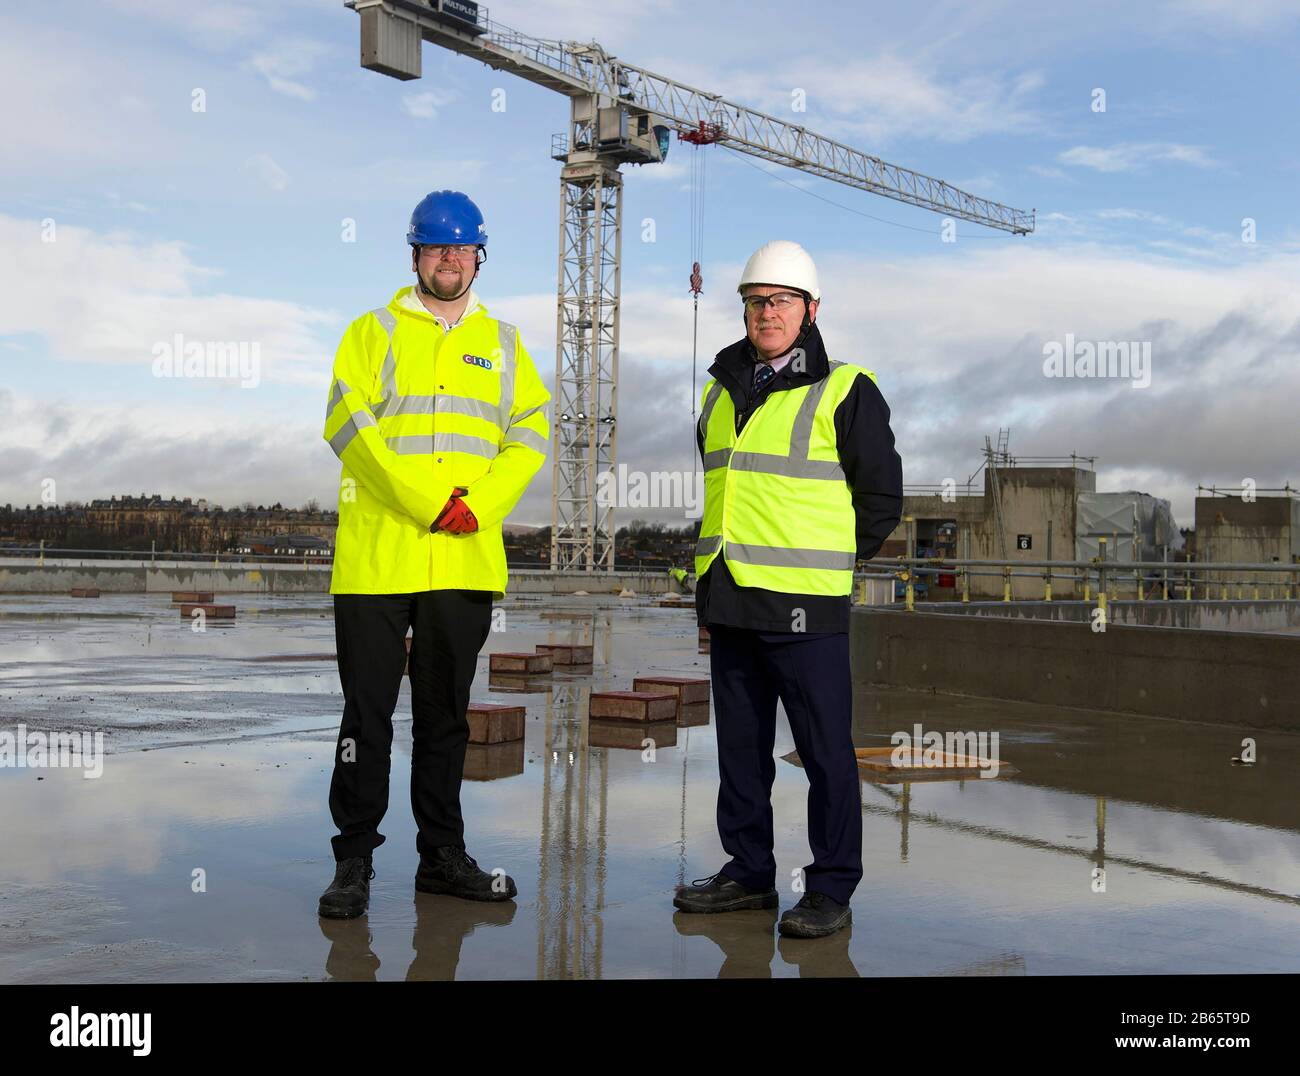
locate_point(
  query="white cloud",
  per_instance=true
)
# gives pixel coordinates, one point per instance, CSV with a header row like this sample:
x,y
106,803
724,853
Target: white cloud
x,y
144,292
880,97
1134,156
671,169
956,338
228,447
425,105
265,168
283,65
1251,16
211,25
59,99
612,23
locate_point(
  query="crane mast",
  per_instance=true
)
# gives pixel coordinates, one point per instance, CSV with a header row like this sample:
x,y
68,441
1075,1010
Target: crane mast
x,y
621,114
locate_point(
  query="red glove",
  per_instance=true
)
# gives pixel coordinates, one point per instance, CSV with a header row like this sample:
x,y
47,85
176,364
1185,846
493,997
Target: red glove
x,y
455,516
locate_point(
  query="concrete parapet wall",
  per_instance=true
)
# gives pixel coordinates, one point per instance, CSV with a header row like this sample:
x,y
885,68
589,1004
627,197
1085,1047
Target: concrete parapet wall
x,y
1246,615
25,576
1251,681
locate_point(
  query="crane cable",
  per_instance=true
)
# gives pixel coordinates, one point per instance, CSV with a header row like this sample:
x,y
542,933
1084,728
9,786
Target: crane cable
x,y
697,255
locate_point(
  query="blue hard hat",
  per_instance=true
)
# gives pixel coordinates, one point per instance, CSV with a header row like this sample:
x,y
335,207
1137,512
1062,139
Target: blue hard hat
x,y
446,217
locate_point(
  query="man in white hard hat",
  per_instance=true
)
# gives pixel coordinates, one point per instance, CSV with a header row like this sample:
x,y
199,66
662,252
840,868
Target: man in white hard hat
x,y
801,481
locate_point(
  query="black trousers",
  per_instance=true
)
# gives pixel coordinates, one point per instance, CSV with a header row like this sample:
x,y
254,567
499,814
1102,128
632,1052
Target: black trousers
x,y
810,675
449,628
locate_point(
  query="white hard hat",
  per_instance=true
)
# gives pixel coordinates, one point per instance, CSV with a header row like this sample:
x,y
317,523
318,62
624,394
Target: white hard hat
x,y
782,263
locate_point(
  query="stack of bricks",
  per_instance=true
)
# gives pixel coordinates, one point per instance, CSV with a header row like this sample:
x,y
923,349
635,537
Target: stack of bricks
x,y
520,663
519,671
692,696
496,741
212,612
630,718
192,597
567,653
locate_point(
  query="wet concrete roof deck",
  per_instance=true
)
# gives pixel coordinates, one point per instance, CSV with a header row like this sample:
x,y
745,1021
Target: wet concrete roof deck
x,y
219,753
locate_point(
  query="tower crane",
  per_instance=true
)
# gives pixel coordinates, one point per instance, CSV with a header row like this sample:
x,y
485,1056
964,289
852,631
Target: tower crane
x,y
621,114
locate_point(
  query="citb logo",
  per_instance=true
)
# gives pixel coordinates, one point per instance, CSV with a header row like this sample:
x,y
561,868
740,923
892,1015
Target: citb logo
x,y
485,363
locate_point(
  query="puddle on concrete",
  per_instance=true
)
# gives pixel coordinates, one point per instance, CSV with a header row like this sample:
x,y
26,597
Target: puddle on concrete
x,y
220,763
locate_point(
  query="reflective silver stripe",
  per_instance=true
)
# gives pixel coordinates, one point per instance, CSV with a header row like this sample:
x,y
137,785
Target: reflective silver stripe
x,y
780,557
705,546
527,414
707,410
443,404
506,335
341,389
388,373
717,458
801,430
791,466
405,405
464,442
466,405
412,444
523,434
796,464
423,444
344,434
336,394
528,437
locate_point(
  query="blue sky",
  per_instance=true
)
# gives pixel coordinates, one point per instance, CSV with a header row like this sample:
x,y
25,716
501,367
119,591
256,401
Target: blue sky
x,y
226,224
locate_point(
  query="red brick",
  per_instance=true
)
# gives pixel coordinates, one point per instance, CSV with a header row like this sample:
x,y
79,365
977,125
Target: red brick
x,y
213,612
642,706
519,662
493,723
687,689
567,653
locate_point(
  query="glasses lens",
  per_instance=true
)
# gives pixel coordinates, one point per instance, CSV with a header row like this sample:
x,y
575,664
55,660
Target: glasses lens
x,y
438,250
782,300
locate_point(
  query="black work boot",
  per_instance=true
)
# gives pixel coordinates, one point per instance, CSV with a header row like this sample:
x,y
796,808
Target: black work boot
x,y
450,870
720,894
349,894
815,916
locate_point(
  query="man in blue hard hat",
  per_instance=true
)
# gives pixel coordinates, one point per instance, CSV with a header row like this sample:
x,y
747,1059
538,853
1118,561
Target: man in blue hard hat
x,y
441,218
438,417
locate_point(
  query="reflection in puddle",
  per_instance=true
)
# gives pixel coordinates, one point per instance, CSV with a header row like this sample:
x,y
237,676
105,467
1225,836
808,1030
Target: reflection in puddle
x,y
1119,846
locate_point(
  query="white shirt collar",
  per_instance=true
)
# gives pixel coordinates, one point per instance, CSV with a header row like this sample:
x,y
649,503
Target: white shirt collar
x,y
412,302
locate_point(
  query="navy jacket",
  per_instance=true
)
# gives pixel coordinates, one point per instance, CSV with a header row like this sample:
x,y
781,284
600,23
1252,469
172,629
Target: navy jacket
x,y
872,469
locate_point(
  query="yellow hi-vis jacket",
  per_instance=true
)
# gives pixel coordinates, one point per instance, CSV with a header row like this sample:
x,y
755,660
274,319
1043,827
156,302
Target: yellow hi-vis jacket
x,y
413,412
775,497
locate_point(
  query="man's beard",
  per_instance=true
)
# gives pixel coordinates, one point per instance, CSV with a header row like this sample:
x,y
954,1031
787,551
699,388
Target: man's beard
x,y
444,291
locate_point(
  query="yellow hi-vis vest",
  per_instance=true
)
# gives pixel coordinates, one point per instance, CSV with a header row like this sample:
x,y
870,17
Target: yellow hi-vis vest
x,y
413,412
776,501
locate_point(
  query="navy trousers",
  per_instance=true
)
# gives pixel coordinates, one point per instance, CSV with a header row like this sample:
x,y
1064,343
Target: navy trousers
x,y
810,675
